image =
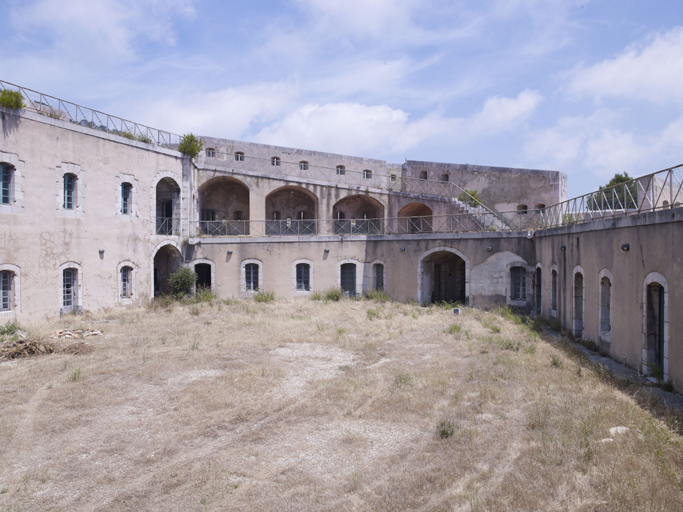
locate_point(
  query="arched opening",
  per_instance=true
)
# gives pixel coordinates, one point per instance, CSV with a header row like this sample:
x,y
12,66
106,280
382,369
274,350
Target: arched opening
x,y
553,293
166,261
577,323
347,280
203,271
224,207
537,291
290,211
168,207
358,214
444,278
522,209
539,206
605,307
655,350
415,218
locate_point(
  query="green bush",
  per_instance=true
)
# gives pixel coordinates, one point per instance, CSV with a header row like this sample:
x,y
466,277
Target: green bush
x,y
378,295
11,99
182,282
316,295
470,198
190,145
334,294
264,296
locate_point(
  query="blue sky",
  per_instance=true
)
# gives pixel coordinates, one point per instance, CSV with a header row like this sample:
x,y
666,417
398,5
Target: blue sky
x,y
588,88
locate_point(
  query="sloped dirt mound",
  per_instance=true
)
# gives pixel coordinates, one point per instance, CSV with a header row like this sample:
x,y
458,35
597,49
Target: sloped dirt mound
x,y
30,348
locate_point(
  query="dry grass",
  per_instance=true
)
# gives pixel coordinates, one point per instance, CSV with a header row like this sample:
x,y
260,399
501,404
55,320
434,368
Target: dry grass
x,y
311,406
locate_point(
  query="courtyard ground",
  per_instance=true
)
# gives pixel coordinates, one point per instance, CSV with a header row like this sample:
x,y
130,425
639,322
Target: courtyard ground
x,y
305,405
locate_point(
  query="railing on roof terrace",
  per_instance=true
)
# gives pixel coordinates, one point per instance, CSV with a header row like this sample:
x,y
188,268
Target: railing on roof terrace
x,y
657,191
66,111
455,223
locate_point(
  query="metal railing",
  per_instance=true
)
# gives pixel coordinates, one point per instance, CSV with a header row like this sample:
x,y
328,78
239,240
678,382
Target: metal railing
x,y
656,191
167,226
454,223
56,108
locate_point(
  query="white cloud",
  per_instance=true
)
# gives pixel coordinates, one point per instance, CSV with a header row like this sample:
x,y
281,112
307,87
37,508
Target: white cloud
x,y
376,18
597,144
357,129
102,27
229,113
651,70
501,114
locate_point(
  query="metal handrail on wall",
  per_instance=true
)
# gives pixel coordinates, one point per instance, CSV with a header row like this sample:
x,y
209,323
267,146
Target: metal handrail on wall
x,y
656,191
453,223
56,108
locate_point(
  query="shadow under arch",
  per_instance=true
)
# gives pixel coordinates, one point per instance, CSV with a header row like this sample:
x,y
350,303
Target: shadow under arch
x,y
443,275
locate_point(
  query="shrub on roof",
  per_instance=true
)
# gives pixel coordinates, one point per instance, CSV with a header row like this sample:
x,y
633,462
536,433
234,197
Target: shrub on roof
x,y
190,145
11,99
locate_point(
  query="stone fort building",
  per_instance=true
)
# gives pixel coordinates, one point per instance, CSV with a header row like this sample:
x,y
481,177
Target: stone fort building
x,y
96,212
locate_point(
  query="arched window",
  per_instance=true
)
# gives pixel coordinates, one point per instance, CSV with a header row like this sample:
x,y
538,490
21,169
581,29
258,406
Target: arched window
x,y
553,293
251,276
239,156
126,280
303,165
6,290
341,170
275,161
522,209
367,174
539,206
210,152
605,298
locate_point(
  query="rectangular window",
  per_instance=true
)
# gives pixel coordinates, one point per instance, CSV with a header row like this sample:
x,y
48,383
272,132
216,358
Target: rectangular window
x,y
239,157
518,283
6,177
69,189
341,170
6,287
68,289
126,291
207,215
367,174
237,215
303,166
126,192
251,276
303,272
210,153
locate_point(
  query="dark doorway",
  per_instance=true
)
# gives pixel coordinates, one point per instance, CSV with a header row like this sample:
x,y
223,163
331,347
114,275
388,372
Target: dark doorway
x,y
537,293
166,261
444,278
655,328
348,279
203,271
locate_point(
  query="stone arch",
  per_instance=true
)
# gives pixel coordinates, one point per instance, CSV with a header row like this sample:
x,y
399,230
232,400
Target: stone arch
x,y
358,213
166,203
415,218
655,325
223,203
291,210
578,300
166,259
459,284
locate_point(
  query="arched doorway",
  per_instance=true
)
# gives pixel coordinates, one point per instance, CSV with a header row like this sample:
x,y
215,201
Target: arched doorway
x,y
203,271
537,291
655,327
442,275
224,207
415,218
167,207
577,323
358,214
290,211
166,261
